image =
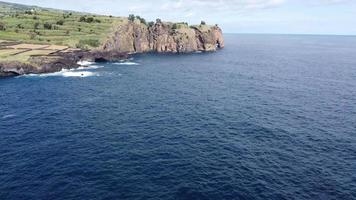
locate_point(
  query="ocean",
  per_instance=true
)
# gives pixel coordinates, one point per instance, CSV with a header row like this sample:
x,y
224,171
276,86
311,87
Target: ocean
x,y
268,117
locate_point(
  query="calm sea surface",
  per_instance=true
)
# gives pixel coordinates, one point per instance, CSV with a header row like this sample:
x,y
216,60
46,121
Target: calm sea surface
x,y
268,117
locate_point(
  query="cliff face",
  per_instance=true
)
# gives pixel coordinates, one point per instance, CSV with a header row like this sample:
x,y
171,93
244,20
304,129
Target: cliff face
x,y
136,37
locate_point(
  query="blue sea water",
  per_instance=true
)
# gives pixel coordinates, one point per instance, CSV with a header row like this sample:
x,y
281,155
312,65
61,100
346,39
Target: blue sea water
x,y
268,117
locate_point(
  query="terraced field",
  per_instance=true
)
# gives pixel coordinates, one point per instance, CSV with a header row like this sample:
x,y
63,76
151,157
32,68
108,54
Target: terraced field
x,y
35,25
27,31
12,51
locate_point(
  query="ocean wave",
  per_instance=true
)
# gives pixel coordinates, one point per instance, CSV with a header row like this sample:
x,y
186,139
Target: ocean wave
x,y
8,116
126,63
89,67
84,63
65,73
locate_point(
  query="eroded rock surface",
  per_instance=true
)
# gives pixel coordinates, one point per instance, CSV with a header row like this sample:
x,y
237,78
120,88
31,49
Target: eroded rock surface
x,y
136,37
57,62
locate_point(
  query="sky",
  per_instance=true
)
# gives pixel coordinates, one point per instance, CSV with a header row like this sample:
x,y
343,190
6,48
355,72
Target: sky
x,y
234,16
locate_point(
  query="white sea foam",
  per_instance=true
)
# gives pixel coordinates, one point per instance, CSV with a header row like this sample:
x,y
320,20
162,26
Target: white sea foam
x,y
8,116
126,63
78,74
89,67
85,63
65,73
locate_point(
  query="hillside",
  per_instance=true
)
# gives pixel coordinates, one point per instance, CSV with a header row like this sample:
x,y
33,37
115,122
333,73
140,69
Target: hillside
x,y
37,25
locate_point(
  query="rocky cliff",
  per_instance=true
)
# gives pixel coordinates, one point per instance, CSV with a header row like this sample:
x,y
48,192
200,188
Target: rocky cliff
x,y
137,37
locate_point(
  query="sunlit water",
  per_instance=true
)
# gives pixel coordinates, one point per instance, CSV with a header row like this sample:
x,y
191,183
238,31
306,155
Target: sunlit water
x,y
268,117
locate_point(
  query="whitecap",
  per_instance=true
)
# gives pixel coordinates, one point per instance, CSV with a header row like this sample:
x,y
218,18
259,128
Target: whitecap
x,y
84,63
126,63
65,73
89,67
8,116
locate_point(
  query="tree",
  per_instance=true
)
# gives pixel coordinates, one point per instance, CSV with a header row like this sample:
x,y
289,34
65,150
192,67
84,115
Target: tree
x,y
158,21
202,23
131,18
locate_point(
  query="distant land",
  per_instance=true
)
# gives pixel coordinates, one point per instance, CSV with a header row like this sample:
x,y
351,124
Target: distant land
x,y
41,40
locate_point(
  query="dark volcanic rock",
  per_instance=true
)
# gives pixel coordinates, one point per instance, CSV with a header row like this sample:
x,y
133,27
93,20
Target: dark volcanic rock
x,y
15,69
57,62
104,56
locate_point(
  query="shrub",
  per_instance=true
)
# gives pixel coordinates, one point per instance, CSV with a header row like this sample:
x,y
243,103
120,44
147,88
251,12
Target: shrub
x,y
55,27
20,26
150,24
89,20
202,23
142,20
2,26
158,20
131,18
82,19
28,12
60,22
36,25
175,26
35,17
47,26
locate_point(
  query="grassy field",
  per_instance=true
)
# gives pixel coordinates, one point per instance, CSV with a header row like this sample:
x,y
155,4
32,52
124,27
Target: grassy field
x,y
48,26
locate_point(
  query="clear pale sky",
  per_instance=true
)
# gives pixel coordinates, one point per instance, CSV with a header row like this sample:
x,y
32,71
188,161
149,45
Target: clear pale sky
x,y
234,16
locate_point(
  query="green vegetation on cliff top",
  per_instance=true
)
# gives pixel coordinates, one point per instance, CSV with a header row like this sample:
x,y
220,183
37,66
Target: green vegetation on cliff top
x,y
28,25
49,26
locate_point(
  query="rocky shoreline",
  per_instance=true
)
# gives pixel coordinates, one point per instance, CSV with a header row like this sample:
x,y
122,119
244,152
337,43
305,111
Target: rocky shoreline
x,y
128,38
57,62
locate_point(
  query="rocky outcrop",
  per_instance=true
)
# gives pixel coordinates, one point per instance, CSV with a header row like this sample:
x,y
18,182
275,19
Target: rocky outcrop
x,y
128,37
57,62
136,37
